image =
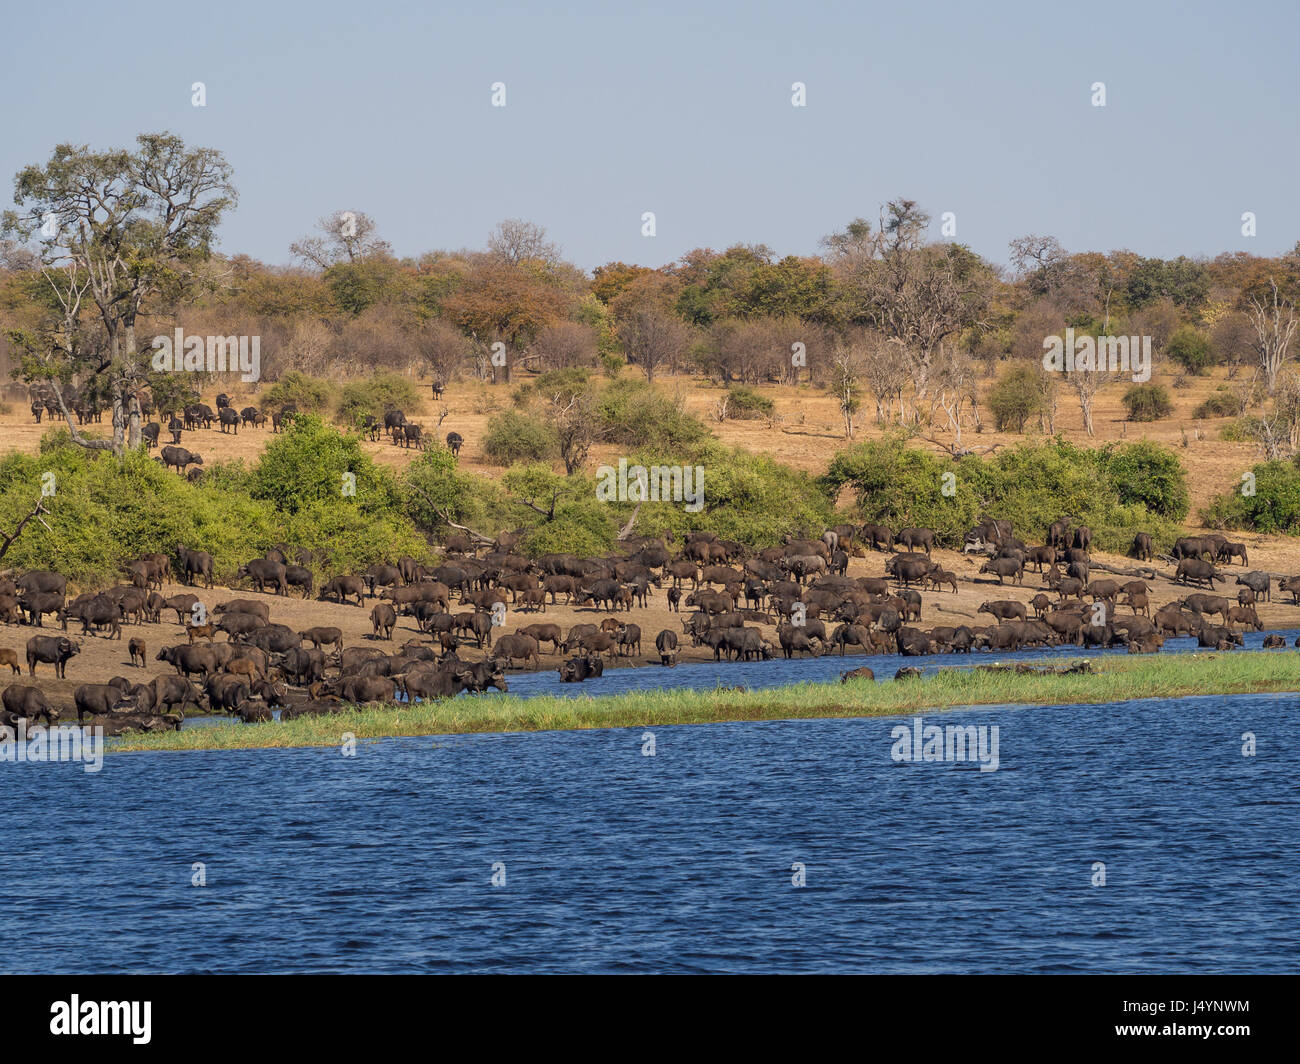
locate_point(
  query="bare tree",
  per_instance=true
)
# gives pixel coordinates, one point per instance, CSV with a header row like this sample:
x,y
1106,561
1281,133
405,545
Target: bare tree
x,y
1086,383
1275,326
443,348
956,389
1037,255
918,294
654,338
887,371
565,344
516,241
347,236
1287,406
847,364
309,345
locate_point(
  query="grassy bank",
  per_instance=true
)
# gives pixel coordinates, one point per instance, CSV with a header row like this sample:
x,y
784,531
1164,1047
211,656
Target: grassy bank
x,y
1114,680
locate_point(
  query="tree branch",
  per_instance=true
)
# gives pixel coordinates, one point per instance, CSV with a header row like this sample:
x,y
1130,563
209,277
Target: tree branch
x,y
35,514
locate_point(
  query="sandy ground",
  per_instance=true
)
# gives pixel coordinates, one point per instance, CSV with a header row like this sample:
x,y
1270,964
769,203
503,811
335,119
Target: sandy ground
x,y
809,432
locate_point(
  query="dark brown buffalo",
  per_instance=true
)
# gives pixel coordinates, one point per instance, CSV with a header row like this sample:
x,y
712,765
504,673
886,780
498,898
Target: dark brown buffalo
x,y
24,702
262,572
98,699
341,587
51,650
580,668
180,457
383,619
195,563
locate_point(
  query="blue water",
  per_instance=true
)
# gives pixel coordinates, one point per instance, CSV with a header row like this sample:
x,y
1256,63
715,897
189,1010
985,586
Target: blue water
x,y
681,862
780,672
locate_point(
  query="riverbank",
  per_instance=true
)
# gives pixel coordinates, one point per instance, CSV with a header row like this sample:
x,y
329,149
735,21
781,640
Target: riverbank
x,y
1113,680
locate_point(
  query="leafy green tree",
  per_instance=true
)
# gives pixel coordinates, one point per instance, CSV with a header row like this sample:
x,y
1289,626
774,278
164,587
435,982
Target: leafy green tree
x,y
1190,348
313,462
1016,396
1149,475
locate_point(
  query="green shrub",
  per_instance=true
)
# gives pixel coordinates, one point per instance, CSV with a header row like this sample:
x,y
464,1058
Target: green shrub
x,y
750,498
105,510
1222,402
902,487
745,404
1190,348
1244,429
1015,397
310,395
1031,485
1148,475
173,391
1273,508
634,414
375,395
513,437
307,463
1147,402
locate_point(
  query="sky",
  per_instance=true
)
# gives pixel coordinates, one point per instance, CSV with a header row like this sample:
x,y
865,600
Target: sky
x,y
684,109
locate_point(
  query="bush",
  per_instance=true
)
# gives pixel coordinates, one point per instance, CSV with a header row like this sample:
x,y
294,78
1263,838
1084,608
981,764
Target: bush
x,y
1273,508
745,404
513,437
1146,474
173,391
750,498
902,487
1031,485
106,510
307,463
1015,397
375,395
1147,402
1245,429
1190,348
634,414
1221,403
310,395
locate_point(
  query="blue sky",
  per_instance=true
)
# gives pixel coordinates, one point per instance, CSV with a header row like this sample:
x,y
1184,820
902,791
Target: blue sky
x,y
684,109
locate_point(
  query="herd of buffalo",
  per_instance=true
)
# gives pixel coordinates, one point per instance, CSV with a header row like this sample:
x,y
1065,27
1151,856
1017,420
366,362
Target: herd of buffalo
x,y
235,659
189,417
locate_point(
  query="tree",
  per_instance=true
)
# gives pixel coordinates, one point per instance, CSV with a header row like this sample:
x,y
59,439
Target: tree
x,y
918,294
1016,397
1190,348
1040,260
443,348
955,388
565,344
846,383
1275,326
886,368
347,237
570,409
1147,402
653,338
516,242
116,229
1086,382
496,300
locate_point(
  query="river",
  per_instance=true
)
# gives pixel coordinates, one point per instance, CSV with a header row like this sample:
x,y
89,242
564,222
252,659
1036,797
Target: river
x,y
609,860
